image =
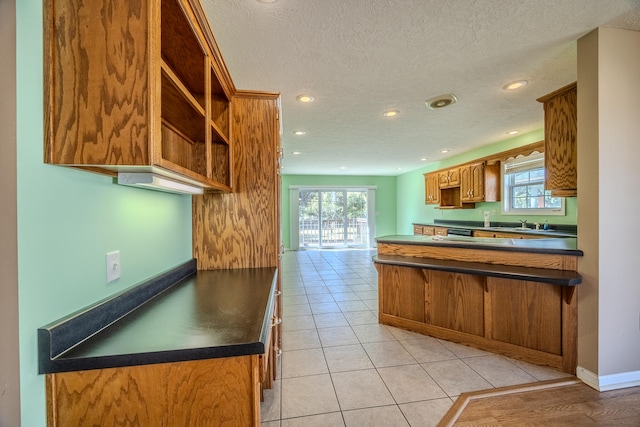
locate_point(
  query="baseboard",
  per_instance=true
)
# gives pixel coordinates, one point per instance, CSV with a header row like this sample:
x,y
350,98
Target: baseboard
x,y
608,382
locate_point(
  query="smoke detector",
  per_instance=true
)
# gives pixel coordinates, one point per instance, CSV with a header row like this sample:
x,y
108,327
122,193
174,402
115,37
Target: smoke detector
x,y
441,101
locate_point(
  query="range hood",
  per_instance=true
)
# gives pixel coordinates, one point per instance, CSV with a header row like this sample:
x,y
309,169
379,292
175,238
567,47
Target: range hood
x,y
157,182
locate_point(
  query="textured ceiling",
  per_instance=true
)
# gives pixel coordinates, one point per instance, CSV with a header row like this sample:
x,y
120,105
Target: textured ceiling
x,y
362,57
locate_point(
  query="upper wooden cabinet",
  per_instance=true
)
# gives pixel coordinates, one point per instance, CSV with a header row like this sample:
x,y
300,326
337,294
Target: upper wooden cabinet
x,y
561,150
449,178
432,189
480,182
472,182
137,88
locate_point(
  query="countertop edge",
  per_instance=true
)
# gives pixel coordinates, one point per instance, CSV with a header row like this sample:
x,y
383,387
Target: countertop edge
x,y
540,275
410,240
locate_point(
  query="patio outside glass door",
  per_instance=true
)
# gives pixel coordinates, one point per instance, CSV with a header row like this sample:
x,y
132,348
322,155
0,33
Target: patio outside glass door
x,y
333,218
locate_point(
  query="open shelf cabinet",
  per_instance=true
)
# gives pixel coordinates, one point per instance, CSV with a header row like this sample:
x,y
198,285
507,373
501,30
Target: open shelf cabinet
x,y
156,101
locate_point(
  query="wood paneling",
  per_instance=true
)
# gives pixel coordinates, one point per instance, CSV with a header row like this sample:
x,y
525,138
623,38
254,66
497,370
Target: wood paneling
x,y
524,259
455,301
402,292
560,134
535,322
96,103
217,392
241,229
526,314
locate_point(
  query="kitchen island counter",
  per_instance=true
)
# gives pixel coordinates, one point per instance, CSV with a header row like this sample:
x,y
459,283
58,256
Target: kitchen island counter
x,y
511,296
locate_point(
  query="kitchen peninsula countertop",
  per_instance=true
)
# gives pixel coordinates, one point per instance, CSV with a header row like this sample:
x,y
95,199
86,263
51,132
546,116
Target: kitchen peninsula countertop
x,y
562,246
194,315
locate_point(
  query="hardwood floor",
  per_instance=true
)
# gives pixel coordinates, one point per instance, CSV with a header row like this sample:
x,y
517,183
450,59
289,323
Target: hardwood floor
x,y
567,402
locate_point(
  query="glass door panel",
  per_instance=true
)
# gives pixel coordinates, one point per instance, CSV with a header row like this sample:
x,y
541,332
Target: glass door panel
x,y
333,218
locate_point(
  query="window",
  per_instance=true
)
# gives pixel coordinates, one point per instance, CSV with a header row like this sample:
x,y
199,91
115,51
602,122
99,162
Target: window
x,y
524,192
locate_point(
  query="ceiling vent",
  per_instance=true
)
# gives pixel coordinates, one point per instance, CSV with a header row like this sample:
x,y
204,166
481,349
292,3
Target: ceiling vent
x,y
441,101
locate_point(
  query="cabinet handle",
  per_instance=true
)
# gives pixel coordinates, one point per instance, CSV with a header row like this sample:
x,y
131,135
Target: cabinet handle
x,y
276,321
278,293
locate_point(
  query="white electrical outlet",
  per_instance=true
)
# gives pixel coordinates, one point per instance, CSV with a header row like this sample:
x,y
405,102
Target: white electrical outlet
x,y
113,266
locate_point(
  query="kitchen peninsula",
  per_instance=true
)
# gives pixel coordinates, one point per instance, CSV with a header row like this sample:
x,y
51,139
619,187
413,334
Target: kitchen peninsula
x,y
511,296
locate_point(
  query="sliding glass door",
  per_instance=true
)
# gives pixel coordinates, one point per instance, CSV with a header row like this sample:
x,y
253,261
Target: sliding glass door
x,y
333,218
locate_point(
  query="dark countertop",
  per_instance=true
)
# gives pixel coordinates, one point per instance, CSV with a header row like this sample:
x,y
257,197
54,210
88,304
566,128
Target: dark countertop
x,y
208,314
562,246
531,274
556,230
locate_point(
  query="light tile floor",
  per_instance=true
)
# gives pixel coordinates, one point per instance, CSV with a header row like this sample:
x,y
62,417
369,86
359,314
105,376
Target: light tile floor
x,y
339,367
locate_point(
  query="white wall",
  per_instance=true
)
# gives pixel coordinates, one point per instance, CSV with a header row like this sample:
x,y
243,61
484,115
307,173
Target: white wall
x,y
608,162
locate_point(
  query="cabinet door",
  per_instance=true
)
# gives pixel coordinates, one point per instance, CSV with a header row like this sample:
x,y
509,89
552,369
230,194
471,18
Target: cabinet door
x,y
441,231
561,151
403,292
432,189
417,230
428,231
449,178
472,183
456,301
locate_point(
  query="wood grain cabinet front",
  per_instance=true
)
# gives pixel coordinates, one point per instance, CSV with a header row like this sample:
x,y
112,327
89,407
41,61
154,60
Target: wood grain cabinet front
x,y
560,141
137,88
432,189
210,392
449,178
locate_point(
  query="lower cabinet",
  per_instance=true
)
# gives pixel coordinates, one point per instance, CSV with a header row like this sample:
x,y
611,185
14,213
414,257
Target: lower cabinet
x,y
455,302
532,321
210,392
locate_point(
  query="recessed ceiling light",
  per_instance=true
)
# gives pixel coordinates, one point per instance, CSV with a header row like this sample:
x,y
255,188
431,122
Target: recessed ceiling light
x,y
391,113
444,151
441,101
299,132
515,85
295,152
305,98
512,132
267,1
343,167
398,169
424,159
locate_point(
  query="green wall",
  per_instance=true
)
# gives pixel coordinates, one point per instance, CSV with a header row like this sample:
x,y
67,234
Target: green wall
x,y
385,198
411,207
68,220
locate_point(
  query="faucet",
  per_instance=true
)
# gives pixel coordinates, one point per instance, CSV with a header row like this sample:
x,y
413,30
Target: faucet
x,y
523,223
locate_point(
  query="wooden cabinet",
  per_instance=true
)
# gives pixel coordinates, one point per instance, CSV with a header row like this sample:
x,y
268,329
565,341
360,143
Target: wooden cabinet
x,y
242,229
404,292
449,178
142,87
561,149
480,182
210,392
472,182
138,88
432,189
440,231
